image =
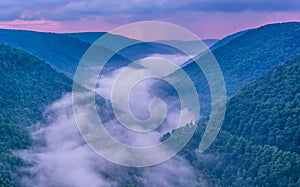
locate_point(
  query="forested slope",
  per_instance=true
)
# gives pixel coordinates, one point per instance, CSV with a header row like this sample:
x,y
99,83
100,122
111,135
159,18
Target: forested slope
x,y
258,144
250,55
27,86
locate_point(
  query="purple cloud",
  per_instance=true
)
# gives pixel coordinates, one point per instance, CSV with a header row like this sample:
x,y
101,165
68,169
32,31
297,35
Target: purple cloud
x,y
133,9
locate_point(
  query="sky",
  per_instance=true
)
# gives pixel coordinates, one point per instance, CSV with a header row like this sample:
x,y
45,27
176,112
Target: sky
x,y
206,18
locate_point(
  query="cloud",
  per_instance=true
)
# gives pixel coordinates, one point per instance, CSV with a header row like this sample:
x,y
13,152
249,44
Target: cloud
x,y
139,97
62,158
132,10
8,12
245,5
174,172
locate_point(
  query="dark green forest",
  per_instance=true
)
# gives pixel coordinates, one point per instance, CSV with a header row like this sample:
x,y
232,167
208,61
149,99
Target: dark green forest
x,y
249,56
258,144
243,58
60,51
270,107
27,86
64,51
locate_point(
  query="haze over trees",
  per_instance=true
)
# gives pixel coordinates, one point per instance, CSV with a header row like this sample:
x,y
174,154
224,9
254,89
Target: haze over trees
x,y
258,145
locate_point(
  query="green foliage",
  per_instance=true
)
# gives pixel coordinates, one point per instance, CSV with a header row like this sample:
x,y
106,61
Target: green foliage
x,y
60,51
259,141
250,55
64,51
267,111
27,86
242,163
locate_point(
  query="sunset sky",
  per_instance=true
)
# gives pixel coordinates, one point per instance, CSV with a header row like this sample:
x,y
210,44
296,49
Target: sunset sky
x,y
206,18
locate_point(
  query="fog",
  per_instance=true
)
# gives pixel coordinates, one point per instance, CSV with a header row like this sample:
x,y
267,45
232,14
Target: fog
x,y
61,157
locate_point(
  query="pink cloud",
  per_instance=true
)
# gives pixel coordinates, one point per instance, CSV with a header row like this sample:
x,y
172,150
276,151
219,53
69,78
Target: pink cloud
x,y
37,25
205,25
220,24
83,25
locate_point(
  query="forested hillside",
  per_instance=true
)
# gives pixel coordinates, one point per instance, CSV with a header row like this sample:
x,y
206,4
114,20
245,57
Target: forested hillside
x,y
258,144
250,55
64,51
267,111
27,86
60,51
246,57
